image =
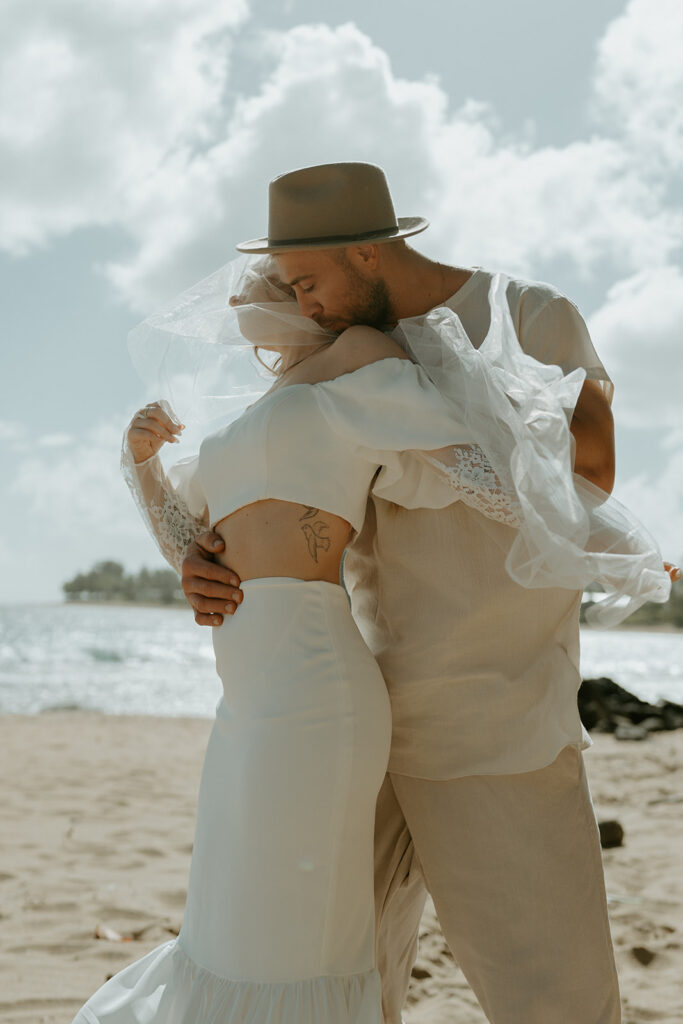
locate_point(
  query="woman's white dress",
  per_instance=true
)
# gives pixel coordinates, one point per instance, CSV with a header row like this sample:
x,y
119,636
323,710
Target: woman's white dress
x,y
279,918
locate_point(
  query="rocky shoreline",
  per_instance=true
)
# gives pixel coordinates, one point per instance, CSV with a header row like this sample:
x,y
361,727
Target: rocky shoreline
x,y
605,706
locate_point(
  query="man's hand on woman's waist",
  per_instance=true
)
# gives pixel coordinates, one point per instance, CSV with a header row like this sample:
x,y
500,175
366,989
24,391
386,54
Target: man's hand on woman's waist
x,y
211,589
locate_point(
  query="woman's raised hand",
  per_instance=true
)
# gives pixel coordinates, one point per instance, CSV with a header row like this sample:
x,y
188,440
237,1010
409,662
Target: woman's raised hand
x,y
152,427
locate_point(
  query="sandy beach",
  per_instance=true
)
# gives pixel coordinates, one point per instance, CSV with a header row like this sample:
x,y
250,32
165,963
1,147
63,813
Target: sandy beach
x,y
97,827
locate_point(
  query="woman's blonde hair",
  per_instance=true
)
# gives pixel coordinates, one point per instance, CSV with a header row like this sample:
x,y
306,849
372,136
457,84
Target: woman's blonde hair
x,y
261,282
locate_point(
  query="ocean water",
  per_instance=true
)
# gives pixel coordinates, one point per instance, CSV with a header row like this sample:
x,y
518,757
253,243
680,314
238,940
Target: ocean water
x,y
120,660
157,661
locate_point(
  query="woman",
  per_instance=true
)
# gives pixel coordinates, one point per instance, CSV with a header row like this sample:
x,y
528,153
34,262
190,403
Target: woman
x,y
279,920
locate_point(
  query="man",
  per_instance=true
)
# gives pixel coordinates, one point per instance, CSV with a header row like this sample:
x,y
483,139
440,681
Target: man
x,y
485,803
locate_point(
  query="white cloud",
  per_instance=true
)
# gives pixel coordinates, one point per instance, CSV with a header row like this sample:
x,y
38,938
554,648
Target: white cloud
x,y
490,200
639,81
95,97
117,114
12,433
516,207
312,108
65,508
657,500
54,440
639,334
79,489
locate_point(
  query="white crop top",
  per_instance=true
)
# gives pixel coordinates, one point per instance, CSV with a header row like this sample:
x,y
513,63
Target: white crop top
x,y
326,444
321,444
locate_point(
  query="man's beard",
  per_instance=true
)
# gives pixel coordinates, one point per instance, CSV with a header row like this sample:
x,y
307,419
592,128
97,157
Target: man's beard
x,y
367,303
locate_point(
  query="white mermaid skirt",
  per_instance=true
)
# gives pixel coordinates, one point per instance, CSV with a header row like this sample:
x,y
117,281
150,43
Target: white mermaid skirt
x,y
279,919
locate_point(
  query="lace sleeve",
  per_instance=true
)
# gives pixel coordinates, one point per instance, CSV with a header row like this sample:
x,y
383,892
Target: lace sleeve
x,y
173,511
471,477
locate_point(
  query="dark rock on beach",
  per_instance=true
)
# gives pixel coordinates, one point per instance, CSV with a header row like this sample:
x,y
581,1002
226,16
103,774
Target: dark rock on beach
x,y
605,706
611,834
643,955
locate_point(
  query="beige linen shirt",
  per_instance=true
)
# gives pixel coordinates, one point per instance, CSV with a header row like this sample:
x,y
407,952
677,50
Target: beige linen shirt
x,y
482,673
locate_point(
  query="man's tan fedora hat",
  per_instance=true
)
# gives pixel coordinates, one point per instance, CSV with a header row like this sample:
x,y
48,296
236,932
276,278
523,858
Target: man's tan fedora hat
x,y
331,205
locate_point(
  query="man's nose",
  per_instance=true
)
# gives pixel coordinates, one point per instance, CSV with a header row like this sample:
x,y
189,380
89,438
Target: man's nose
x,y
309,306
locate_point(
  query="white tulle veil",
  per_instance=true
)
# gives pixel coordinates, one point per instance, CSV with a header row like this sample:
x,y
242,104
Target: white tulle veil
x,y
206,350
198,352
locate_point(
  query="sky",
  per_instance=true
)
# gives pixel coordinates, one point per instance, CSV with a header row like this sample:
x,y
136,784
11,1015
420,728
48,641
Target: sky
x,y
137,139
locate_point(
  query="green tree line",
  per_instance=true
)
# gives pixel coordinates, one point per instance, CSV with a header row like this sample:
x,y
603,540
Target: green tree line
x,y
108,581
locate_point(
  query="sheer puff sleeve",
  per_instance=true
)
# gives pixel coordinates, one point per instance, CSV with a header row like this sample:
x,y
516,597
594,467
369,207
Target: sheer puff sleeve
x,y
393,412
171,504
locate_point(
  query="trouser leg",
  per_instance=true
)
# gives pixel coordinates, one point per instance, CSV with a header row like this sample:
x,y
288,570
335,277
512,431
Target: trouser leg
x,y
400,896
514,866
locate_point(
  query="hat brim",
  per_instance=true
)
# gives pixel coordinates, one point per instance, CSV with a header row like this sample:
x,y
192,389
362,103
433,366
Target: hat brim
x,y
405,226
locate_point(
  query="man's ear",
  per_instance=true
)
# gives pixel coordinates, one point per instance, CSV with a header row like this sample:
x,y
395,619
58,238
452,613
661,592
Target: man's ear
x,y
364,256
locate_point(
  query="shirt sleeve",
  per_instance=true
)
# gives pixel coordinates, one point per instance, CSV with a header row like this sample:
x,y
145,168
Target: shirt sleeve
x,y
555,332
172,505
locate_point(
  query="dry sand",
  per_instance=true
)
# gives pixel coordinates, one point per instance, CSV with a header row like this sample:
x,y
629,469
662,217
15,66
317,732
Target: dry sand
x,y
97,826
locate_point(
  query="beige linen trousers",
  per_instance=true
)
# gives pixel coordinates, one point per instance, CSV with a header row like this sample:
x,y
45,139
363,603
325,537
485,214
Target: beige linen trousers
x,y
514,866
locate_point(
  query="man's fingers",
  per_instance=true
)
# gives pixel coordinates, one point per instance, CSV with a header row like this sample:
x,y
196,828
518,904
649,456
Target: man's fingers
x,y
218,589
197,568
210,542
208,620
212,606
211,591
223,589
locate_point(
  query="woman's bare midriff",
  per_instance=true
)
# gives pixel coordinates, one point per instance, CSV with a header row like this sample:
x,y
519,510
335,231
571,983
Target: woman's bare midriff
x,y
281,538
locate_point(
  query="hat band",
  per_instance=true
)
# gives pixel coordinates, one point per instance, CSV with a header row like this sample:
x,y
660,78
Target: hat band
x,y
358,236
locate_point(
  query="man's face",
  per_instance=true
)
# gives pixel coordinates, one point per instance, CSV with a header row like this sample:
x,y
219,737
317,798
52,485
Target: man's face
x,y
334,292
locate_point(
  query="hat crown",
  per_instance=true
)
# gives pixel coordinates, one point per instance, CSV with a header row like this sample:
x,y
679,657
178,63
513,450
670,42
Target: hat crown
x,y
331,205
329,201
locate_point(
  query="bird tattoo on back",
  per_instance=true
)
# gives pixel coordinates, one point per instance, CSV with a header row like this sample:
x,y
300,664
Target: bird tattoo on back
x,y
315,532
